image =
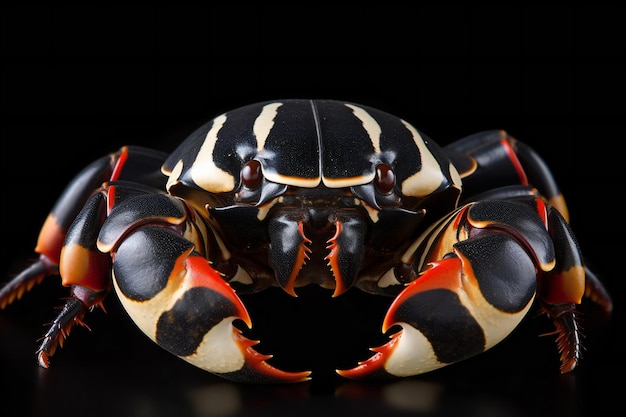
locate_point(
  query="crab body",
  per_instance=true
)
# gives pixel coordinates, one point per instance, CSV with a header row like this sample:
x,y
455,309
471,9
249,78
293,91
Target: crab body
x,y
464,239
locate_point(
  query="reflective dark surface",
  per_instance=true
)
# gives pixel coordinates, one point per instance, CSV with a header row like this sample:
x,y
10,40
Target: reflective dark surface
x,y
116,370
79,82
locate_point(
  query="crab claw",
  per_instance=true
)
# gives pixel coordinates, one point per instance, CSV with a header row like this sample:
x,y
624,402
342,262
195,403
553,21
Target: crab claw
x,y
186,307
453,311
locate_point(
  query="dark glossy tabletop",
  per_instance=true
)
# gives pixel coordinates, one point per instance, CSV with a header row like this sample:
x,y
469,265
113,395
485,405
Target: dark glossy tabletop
x,y
115,370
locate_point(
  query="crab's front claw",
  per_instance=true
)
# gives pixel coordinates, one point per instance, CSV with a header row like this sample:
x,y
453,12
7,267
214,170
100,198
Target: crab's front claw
x,y
453,311
184,305
195,322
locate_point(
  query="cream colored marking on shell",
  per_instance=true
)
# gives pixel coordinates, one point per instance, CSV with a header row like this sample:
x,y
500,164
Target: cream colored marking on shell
x,y
413,354
348,182
264,123
432,236
496,324
265,208
371,211
204,172
218,351
456,177
388,279
369,124
295,181
173,177
146,313
430,177
241,276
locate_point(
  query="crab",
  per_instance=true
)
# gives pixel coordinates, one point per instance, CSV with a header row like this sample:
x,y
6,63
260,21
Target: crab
x,y
462,240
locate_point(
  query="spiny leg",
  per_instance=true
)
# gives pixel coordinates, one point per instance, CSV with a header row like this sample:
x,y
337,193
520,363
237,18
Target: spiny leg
x,y
566,320
24,281
568,333
563,289
82,268
72,312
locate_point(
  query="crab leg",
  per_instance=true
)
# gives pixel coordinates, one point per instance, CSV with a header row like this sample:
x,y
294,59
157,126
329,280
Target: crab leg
x,y
82,267
72,312
53,232
26,280
144,163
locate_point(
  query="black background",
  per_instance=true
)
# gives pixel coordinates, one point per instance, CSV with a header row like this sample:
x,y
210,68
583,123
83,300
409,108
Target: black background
x,y
80,81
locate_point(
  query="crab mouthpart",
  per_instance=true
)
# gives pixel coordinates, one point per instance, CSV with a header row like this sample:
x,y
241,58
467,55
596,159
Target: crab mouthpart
x,y
304,249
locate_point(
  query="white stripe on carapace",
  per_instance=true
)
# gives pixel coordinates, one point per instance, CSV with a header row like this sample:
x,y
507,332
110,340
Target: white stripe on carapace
x,y
295,181
264,123
218,351
204,172
430,177
369,124
314,182
348,181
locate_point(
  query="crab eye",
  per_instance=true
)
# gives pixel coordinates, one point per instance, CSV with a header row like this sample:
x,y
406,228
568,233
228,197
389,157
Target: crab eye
x,y
251,174
385,178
